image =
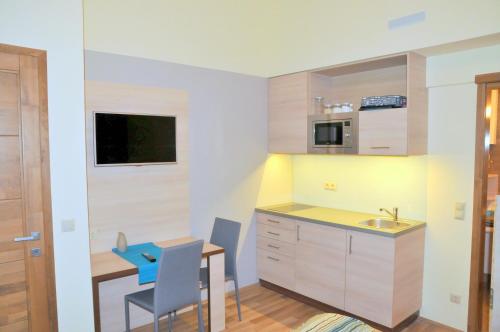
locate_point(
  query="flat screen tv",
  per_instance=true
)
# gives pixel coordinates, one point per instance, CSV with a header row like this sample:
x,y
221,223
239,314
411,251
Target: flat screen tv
x,y
128,139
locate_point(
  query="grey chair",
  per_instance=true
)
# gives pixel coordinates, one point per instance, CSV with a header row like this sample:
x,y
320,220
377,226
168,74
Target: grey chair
x,y
226,234
176,287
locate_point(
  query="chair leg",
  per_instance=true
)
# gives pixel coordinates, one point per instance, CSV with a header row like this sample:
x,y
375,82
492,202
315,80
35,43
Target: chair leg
x,y
156,324
169,322
127,316
237,292
201,323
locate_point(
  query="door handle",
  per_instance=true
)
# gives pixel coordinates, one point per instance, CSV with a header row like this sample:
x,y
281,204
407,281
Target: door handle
x,y
34,236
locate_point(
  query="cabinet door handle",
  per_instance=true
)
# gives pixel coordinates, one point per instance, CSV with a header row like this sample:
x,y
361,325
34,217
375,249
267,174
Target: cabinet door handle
x,y
274,247
350,244
273,221
273,259
273,233
298,232
380,147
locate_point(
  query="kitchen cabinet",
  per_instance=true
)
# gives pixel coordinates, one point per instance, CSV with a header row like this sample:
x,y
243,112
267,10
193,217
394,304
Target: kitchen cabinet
x,y
276,240
373,276
320,263
384,276
287,113
381,132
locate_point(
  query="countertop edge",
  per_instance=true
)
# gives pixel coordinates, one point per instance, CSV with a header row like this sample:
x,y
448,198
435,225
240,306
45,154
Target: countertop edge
x,y
333,224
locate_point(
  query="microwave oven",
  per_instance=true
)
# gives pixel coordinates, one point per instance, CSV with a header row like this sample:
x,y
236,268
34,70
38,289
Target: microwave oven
x,y
335,133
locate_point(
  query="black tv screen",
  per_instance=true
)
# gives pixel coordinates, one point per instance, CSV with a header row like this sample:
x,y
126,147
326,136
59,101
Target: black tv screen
x,y
134,139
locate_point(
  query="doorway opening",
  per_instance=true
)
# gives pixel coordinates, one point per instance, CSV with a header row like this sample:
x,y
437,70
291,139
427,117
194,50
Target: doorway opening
x,y
486,190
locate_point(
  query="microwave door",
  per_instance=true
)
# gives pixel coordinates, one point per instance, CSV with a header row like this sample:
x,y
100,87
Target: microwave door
x,y
328,134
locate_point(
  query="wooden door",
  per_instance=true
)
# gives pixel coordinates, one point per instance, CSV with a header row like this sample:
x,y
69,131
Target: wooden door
x,y
370,276
320,263
383,132
27,295
495,276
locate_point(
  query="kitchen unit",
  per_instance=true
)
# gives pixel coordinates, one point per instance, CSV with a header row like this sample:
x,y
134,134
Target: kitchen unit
x,y
386,131
336,257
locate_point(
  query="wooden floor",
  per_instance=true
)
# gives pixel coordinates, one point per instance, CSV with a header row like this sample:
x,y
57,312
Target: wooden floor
x,y
265,310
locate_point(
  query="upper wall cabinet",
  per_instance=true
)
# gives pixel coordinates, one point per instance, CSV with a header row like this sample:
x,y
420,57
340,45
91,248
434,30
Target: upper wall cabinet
x,y
288,103
389,131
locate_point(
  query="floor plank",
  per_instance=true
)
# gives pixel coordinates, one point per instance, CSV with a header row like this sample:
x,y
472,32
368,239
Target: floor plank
x,y
264,310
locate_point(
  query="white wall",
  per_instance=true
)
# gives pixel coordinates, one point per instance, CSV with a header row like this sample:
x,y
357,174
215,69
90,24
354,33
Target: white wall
x,y
56,26
364,183
268,38
452,110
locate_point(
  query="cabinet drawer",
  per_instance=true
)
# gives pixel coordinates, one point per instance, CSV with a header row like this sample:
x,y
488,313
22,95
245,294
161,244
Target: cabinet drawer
x,y
275,246
276,221
275,268
383,132
276,233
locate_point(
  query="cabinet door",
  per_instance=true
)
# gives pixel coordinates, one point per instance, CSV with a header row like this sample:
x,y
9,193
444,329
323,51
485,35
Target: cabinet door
x,y
320,263
383,132
369,276
288,108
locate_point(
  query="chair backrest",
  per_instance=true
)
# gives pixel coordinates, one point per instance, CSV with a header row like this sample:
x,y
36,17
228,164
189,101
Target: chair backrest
x,y
177,282
226,234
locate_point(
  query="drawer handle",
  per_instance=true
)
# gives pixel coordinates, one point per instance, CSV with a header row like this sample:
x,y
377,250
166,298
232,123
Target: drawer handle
x,y
274,247
273,259
273,233
379,147
273,221
350,244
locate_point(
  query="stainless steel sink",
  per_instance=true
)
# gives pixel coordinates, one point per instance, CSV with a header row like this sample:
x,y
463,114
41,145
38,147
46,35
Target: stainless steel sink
x,y
384,223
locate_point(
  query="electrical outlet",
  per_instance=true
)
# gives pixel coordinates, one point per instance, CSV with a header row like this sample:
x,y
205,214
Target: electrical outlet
x,y
330,186
454,298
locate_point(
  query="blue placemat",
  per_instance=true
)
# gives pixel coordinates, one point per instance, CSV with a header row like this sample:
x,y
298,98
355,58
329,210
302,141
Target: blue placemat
x,y
147,270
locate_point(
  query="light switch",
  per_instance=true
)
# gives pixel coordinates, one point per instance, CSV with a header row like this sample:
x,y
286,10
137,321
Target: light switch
x,y
68,225
460,210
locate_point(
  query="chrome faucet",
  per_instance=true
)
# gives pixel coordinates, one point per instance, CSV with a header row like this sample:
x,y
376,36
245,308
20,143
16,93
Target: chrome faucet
x,y
393,214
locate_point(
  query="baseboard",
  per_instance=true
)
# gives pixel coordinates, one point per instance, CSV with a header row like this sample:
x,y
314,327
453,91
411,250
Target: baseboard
x,y
328,308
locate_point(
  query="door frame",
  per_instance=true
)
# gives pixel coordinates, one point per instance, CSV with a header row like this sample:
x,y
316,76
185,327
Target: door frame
x,y
479,205
41,58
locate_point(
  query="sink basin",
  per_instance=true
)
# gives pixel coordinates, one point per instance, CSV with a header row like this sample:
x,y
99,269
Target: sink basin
x,y
384,223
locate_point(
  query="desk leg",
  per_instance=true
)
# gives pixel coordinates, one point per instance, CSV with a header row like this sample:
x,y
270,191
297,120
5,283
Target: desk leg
x,y
97,314
216,293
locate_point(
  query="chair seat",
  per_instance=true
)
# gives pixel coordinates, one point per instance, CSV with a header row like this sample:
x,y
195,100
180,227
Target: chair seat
x,y
204,277
143,299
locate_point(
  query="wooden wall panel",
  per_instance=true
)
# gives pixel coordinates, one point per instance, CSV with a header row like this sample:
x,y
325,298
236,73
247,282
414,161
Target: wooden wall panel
x,y
147,203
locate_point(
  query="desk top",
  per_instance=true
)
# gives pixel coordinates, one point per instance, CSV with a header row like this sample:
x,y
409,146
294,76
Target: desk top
x,y
108,265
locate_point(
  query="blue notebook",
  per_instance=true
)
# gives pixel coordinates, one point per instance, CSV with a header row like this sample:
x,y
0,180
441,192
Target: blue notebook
x,y
147,270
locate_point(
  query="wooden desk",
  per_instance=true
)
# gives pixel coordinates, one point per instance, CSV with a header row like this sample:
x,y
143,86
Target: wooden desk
x,y
108,266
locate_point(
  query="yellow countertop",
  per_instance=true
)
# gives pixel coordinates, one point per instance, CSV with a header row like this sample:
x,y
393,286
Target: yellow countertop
x,y
337,217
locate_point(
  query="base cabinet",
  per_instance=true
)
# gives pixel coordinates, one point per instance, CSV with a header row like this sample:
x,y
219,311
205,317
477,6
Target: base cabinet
x,y
375,277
